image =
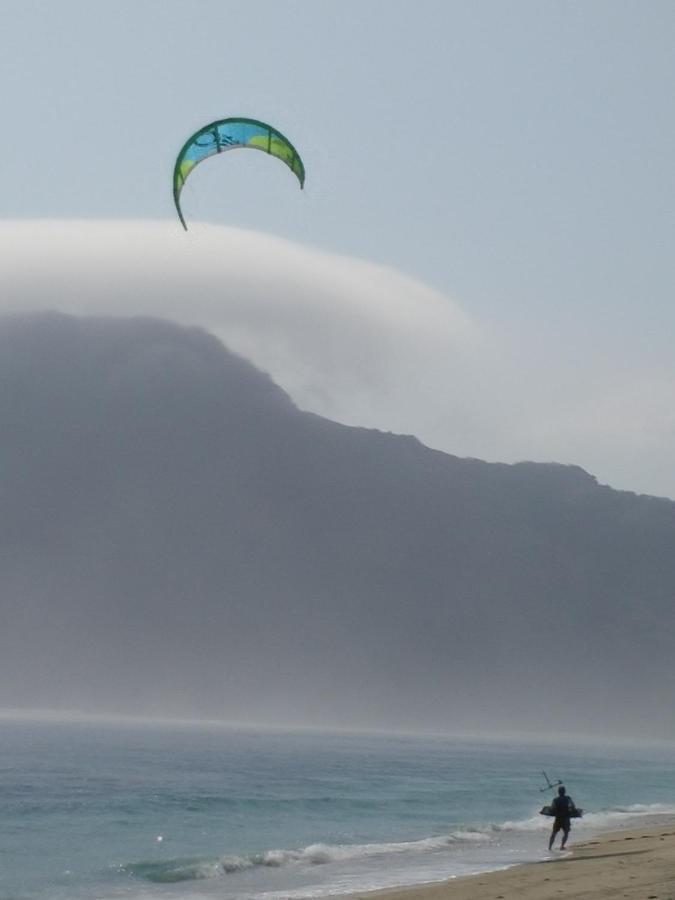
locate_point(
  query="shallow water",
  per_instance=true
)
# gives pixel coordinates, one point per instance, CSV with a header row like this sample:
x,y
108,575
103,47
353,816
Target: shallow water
x,y
115,811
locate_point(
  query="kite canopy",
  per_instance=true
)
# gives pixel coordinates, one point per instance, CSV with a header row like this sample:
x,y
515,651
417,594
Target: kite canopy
x,y
228,134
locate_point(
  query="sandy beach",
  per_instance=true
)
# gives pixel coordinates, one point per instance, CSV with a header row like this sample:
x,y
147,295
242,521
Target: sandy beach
x,y
637,864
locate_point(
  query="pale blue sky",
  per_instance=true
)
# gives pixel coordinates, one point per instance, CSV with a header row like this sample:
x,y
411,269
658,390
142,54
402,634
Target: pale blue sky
x,y
516,155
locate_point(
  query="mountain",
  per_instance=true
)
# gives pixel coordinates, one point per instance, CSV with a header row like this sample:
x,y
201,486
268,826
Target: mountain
x,y
177,538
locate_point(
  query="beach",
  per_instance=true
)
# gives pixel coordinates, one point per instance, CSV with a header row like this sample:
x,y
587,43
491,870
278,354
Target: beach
x,y
631,864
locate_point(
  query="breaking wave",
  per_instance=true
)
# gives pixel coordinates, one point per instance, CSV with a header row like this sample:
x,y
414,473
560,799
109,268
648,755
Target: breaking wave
x,y
193,869
313,855
602,819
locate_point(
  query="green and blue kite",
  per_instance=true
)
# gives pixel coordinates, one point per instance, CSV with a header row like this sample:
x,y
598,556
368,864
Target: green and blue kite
x,y
229,134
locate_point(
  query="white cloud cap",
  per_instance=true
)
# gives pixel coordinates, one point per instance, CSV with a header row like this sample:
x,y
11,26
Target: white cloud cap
x,y
357,342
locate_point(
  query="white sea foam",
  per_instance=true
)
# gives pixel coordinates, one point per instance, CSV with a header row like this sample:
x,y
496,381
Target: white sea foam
x,y
601,818
620,815
322,854
317,854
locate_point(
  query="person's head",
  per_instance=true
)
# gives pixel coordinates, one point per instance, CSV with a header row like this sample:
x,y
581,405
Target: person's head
x,y
561,791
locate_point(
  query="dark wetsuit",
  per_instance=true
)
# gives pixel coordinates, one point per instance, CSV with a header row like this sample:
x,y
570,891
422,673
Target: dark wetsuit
x,y
562,807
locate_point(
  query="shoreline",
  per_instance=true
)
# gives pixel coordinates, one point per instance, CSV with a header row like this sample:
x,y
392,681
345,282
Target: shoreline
x,y
636,863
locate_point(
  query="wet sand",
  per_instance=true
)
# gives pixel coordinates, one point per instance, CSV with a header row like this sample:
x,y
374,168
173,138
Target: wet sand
x,y
637,864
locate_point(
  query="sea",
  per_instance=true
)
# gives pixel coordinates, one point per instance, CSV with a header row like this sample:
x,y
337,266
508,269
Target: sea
x,y
124,811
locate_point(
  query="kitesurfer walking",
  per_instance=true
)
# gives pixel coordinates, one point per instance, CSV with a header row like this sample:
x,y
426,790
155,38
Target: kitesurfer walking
x,y
562,808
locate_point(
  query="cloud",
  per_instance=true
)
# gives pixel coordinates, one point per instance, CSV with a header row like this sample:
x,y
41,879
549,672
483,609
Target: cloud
x,y
356,342
348,339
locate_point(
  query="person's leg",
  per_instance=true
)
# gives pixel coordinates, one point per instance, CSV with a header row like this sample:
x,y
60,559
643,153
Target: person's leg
x,y
566,834
554,832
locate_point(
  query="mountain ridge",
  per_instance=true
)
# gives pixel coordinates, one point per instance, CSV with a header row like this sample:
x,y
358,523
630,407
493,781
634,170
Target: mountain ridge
x,y
179,538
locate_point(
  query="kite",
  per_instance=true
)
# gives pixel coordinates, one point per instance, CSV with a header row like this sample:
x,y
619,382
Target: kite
x,y
228,134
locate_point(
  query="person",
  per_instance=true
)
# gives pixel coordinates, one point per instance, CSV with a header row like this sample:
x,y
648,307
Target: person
x,y
562,807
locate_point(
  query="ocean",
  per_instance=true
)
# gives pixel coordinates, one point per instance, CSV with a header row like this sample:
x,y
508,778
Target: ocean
x,y
187,812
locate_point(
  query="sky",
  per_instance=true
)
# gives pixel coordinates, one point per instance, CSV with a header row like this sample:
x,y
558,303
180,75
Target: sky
x,y
482,252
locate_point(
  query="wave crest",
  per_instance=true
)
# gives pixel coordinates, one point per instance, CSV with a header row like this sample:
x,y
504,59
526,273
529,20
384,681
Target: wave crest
x,y
192,869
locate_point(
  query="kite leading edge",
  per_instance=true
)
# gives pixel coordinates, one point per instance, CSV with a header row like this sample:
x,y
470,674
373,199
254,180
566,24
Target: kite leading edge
x,y
228,134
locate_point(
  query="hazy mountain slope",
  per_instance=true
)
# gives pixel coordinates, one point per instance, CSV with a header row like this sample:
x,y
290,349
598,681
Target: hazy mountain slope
x,y
177,538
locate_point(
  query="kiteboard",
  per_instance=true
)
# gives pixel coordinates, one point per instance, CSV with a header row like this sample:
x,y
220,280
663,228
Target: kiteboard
x,y
574,813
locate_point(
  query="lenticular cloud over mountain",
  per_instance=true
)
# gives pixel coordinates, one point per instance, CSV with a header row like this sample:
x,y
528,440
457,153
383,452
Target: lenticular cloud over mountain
x,y
343,336
360,343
